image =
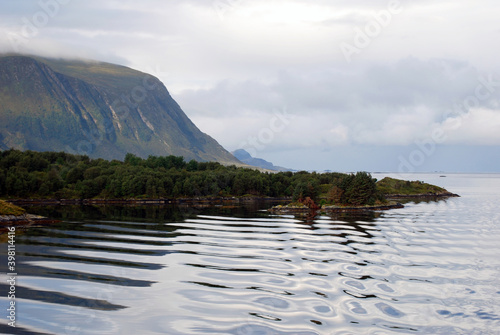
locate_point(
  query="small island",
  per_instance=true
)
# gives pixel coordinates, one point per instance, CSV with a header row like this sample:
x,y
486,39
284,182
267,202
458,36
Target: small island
x,y
360,192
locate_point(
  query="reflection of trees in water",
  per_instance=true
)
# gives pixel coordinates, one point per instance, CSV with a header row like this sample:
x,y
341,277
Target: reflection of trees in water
x,y
153,212
357,220
172,213
164,213
347,217
111,230
419,200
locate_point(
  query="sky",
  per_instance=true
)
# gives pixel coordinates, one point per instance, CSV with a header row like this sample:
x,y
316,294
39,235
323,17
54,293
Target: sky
x,y
358,85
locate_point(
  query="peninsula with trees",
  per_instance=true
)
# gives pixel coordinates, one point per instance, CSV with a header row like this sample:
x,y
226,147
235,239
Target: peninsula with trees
x,y
66,178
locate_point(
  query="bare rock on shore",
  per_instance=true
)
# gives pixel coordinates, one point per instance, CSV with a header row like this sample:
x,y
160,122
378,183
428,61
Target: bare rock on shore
x,y
23,220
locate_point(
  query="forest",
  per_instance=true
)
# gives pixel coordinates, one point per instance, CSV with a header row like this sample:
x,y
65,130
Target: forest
x,y
59,175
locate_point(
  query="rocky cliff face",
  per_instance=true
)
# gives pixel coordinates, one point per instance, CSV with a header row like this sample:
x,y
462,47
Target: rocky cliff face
x,y
97,109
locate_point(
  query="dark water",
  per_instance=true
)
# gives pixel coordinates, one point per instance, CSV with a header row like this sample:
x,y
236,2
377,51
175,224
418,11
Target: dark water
x,y
430,268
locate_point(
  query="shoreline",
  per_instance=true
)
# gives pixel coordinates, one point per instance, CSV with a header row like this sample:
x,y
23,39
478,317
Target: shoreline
x,y
195,200
353,209
333,209
134,201
422,196
23,220
26,220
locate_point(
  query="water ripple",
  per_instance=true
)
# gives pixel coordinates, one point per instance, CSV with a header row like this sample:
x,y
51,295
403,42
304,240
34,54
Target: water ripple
x,y
428,268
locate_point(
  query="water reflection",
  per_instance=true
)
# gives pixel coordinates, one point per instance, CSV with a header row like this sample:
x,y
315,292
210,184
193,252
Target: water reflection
x,y
63,299
152,213
224,270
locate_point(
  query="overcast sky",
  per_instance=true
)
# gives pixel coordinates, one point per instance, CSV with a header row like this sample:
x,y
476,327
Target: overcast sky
x,y
321,85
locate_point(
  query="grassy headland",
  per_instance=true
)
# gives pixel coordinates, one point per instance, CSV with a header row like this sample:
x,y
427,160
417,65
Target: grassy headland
x,y
396,187
10,209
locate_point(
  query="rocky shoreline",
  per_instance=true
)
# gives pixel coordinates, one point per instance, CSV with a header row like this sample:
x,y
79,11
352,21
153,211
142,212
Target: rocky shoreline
x,y
24,220
348,209
421,195
283,210
29,219
341,209
162,201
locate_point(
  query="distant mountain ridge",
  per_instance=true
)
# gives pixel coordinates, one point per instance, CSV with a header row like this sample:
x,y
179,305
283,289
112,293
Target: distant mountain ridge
x,y
94,108
246,158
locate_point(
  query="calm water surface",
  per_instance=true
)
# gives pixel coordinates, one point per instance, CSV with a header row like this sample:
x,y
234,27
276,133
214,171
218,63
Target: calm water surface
x,y
429,268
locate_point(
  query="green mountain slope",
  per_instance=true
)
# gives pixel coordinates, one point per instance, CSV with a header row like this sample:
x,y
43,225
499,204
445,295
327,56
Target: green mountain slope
x,y
96,109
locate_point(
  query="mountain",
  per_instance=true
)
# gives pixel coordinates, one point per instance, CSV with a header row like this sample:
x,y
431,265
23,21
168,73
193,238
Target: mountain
x,y
246,158
97,109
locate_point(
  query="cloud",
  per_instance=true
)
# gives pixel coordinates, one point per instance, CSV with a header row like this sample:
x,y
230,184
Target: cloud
x,y
479,126
199,48
377,105
231,64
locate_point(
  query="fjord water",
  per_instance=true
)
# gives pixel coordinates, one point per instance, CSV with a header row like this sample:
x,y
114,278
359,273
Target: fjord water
x,y
429,268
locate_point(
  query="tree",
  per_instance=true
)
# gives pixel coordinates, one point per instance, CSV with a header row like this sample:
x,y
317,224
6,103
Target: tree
x,y
334,195
188,187
16,182
240,184
74,175
167,186
359,189
34,162
2,182
92,172
151,189
89,189
114,188
44,189
192,166
132,159
53,181
177,189
126,187
306,188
